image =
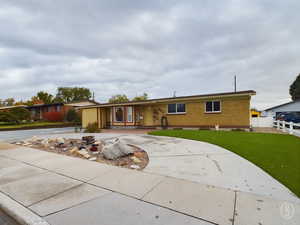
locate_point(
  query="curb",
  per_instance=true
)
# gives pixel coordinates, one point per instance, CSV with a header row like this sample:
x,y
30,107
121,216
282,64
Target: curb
x,y
37,127
20,213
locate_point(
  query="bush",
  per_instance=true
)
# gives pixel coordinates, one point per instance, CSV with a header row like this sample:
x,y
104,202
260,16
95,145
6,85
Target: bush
x,y
72,116
8,117
20,114
53,116
92,128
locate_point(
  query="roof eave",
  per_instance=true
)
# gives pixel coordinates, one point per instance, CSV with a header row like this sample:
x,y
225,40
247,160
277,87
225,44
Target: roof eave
x,y
182,98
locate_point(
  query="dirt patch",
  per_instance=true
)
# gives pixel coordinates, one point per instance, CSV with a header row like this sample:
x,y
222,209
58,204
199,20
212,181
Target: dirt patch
x,y
5,146
88,148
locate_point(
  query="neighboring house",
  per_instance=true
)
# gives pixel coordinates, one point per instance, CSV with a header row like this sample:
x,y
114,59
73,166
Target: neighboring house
x,y
7,108
39,111
228,110
293,106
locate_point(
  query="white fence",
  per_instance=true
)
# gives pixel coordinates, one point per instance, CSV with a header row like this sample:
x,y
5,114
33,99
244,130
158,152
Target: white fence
x,y
289,127
262,121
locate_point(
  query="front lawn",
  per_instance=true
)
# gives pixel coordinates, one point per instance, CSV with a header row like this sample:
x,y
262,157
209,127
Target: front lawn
x,y
277,154
34,125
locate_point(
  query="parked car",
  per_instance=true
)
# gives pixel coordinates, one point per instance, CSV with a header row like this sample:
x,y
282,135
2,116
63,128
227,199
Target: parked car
x,y
289,117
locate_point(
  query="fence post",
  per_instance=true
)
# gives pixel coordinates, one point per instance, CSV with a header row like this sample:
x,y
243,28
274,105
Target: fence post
x,y
291,128
278,124
283,126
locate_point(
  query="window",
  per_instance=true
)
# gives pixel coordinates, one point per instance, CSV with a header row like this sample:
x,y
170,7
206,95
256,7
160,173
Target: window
x,y
129,114
176,108
181,108
172,108
213,106
119,111
58,108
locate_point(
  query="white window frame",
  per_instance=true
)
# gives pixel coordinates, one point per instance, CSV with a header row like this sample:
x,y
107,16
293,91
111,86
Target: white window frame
x,y
176,109
213,111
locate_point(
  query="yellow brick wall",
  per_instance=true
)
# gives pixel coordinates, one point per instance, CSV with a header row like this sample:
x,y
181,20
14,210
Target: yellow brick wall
x,y
235,113
89,116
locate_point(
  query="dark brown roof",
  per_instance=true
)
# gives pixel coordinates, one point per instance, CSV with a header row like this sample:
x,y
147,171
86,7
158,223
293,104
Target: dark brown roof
x,y
248,92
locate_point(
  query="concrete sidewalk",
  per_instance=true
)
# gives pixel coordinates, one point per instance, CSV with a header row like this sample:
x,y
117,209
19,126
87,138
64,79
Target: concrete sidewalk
x,y
201,162
65,190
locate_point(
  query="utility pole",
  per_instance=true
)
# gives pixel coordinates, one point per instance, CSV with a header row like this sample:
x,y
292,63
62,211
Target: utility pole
x,y
235,83
174,94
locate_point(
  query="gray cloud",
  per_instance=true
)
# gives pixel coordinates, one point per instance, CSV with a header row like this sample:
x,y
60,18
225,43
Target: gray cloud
x,y
155,46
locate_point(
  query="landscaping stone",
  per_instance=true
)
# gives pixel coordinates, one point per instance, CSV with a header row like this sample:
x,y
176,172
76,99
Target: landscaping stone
x,y
87,147
116,150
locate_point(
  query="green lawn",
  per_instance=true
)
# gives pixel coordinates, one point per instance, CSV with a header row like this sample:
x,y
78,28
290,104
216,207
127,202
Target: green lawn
x,y
277,154
33,125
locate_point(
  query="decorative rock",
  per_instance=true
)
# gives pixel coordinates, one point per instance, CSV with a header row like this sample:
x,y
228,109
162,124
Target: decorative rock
x,y
60,140
86,156
45,143
138,154
74,150
135,159
93,149
135,167
116,150
83,152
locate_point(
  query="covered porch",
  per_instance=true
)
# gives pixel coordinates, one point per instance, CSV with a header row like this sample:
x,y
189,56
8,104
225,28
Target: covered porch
x,y
122,116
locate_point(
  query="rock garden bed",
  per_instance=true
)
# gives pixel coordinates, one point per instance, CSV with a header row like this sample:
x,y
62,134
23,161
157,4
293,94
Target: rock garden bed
x,y
112,152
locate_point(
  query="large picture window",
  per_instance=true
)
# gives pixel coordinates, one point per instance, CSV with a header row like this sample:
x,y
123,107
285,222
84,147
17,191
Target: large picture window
x,y
176,108
212,106
123,114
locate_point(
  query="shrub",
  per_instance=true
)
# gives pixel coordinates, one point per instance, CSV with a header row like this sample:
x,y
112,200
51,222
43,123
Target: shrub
x,y
8,117
20,114
72,116
53,116
92,128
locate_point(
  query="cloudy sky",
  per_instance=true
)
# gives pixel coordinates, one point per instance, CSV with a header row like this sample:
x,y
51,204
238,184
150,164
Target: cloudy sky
x,y
158,46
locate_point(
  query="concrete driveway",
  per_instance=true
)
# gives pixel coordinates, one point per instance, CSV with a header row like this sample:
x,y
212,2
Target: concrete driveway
x,y
47,188
203,163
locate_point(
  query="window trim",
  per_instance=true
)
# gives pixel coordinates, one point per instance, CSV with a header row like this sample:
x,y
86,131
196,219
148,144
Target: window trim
x,y
175,113
213,111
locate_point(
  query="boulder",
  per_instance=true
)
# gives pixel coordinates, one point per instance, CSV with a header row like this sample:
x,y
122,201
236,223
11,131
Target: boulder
x,y
60,140
116,149
135,159
74,150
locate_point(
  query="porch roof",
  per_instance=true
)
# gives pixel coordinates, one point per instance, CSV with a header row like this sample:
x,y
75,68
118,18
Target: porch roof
x,y
172,99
